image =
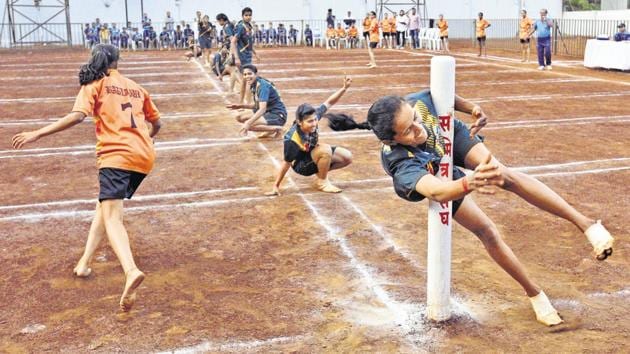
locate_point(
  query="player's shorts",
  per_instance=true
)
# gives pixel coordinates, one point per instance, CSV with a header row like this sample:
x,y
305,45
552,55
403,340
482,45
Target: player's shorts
x,y
524,40
279,119
481,39
306,166
385,34
115,183
373,44
462,142
443,37
205,42
366,34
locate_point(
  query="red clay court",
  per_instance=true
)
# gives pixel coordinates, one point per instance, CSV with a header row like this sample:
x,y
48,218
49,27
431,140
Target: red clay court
x,y
231,270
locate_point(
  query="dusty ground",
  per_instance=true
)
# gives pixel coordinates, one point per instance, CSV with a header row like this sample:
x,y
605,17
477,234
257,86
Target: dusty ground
x,y
231,270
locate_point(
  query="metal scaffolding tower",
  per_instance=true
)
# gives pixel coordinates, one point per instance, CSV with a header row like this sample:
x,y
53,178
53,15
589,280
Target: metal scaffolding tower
x,y
24,30
397,5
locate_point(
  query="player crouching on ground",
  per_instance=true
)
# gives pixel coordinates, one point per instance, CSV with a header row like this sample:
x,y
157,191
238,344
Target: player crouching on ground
x,y
305,154
411,154
267,105
125,154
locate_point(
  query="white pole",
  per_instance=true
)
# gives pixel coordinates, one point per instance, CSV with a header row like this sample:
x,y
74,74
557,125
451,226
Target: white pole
x,y
440,214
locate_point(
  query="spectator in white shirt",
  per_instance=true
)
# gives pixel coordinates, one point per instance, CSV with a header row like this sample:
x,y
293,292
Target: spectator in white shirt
x,y
402,23
349,21
414,26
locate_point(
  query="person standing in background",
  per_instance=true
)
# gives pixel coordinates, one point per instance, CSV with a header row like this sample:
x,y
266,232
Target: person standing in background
x,y
542,27
402,21
330,19
414,26
443,26
481,24
525,26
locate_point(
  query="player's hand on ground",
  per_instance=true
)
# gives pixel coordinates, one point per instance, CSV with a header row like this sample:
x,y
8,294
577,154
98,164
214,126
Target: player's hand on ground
x,y
347,81
21,139
486,176
481,120
233,106
220,77
244,129
274,192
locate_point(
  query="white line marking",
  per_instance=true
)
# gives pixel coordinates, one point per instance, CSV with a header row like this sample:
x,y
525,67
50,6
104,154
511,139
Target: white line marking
x,y
248,346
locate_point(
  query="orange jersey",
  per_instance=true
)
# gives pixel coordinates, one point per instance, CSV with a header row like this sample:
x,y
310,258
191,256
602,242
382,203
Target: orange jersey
x,y
481,27
330,33
374,36
341,33
386,26
366,24
392,24
443,26
353,32
525,26
120,107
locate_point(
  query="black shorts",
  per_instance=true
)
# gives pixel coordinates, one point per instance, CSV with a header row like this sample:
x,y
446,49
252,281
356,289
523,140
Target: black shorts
x,y
462,142
481,39
385,34
443,37
306,166
115,183
366,34
205,42
278,119
373,44
523,41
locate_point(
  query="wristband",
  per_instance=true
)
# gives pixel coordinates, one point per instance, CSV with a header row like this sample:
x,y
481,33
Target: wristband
x,y
465,184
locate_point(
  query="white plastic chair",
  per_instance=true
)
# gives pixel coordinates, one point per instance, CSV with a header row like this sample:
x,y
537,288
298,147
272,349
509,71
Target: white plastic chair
x,y
317,37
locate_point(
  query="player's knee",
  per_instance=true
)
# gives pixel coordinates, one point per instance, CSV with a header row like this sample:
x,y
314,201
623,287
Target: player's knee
x,y
488,234
512,179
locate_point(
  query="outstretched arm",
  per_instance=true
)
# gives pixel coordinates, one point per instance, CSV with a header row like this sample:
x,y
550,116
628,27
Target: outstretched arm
x,y
70,120
281,173
335,97
481,120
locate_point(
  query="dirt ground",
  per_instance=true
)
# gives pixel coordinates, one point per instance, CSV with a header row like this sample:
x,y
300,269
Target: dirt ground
x,y
230,270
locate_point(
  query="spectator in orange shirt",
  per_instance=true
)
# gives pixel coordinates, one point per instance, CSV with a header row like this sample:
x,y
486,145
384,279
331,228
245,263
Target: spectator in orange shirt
x,y
443,26
366,29
374,38
341,35
353,36
481,24
525,26
387,29
331,37
124,150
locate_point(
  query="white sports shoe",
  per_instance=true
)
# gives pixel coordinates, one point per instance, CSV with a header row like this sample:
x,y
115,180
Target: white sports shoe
x,y
541,68
545,312
601,240
548,67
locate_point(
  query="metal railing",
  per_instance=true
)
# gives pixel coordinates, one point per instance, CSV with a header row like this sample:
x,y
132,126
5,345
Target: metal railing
x,y
569,35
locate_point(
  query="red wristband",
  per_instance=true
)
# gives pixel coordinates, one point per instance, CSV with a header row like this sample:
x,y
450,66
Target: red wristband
x,y
465,184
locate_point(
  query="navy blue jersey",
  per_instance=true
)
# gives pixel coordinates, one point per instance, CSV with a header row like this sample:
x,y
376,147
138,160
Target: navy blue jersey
x,y
264,91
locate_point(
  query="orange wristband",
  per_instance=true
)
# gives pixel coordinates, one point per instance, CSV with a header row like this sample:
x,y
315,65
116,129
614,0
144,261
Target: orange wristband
x,y
465,184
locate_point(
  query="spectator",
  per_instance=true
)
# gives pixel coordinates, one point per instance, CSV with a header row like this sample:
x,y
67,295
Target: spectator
x,y
353,36
341,35
188,33
542,27
443,26
622,35
366,29
178,37
481,24
153,39
137,40
169,23
263,36
414,27
257,35
124,39
349,21
308,36
292,35
205,38
115,36
272,35
330,19
282,35
88,34
330,37
402,21
387,28
104,34
165,39
392,28
525,26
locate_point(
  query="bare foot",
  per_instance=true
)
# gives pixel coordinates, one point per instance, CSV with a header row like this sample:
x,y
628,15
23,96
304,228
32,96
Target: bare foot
x,y
82,270
325,186
128,298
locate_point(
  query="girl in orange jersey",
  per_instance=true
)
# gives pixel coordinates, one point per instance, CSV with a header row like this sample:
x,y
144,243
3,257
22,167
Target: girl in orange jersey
x,y
124,149
443,26
387,28
367,22
393,32
374,38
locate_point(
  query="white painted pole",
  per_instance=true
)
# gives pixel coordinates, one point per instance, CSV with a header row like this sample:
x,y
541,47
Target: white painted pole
x,y
440,214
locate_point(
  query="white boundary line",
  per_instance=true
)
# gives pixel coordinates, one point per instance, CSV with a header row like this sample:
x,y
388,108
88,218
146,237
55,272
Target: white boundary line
x,y
248,346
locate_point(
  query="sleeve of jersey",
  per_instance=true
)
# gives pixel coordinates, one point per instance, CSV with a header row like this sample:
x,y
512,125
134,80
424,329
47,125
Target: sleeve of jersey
x,y
263,93
151,112
406,174
320,111
86,99
291,151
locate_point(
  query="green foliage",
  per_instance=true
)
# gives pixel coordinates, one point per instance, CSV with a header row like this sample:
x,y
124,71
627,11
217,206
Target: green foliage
x,y
582,5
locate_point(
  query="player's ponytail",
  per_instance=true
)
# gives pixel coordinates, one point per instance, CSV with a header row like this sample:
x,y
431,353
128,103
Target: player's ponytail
x,y
342,121
103,56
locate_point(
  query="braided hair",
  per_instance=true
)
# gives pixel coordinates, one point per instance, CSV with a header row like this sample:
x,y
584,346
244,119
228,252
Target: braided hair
x,y
103,58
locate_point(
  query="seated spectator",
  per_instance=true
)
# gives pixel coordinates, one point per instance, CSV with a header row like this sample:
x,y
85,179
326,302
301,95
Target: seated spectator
x,y
331,37
87,34
341,35
308,36
353,36
188,33
152,40
115,32
292,35
622,35
272,35
165,39
124,39
104,34
282,35
137,40
178,37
